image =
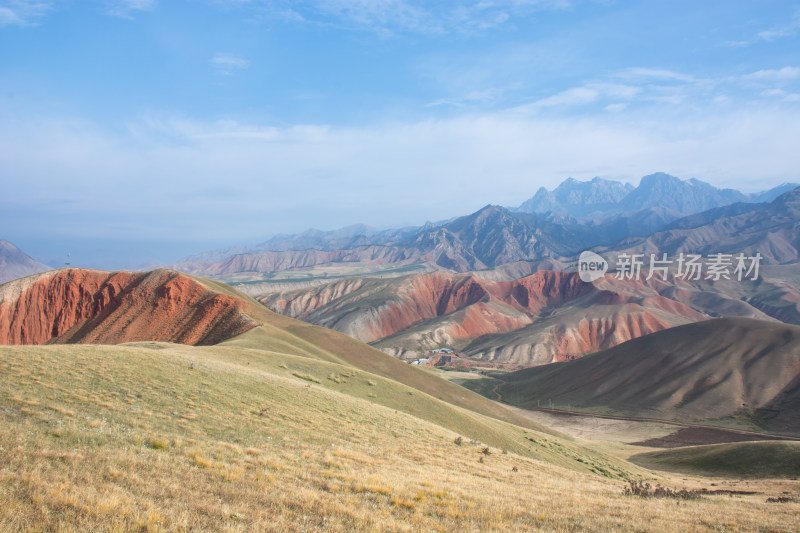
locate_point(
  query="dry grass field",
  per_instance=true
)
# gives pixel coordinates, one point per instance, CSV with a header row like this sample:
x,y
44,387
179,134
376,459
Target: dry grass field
x,y
162,437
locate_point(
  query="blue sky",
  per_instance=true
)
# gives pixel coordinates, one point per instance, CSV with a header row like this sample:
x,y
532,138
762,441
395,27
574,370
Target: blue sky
x,y
143,130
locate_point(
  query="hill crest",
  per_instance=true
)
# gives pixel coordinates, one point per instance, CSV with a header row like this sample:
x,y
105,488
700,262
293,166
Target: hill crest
x,y
90,306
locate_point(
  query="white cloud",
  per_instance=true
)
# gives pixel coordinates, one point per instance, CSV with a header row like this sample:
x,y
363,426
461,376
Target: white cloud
x,y
773,75
23,12
228,180
585,95
641,73
227,64
8,17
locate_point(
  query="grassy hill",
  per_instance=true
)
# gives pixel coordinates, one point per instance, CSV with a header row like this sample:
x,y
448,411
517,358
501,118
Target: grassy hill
x,y
157,436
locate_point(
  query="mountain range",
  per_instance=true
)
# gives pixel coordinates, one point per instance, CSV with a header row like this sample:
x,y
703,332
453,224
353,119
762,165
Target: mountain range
x,y
552,226
495,236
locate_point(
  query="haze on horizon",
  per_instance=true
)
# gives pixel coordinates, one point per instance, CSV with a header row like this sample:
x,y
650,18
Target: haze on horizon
x,y
143,131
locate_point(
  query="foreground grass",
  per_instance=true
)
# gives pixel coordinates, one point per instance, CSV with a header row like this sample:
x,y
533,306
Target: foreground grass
x,y
165,438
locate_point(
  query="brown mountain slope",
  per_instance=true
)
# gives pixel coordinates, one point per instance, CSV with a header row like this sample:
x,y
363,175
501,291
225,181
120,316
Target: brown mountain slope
x,y
545,317
704,371
87,306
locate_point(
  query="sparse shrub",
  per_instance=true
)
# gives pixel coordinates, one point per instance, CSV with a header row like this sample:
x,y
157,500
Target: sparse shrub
x,y
458,441
158,444
486,451
514,469
306,377
782,499
645,490
199,459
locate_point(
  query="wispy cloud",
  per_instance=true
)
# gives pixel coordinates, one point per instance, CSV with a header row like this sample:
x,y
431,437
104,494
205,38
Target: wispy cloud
x,y
773,75
772,34
645,86
486,96
23,12
381,16
641,73
571,97
127,8
392,17
619,94
227,64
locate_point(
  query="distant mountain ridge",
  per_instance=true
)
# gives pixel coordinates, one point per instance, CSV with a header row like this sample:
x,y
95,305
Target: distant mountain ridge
x,y
613,216
14,263
575,198
601,197
771,230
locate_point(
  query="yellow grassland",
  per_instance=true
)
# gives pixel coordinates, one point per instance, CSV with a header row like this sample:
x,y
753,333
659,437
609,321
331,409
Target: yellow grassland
x,y
159,437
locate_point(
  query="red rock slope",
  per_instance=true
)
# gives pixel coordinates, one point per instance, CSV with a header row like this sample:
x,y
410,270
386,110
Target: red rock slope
x,y
88,306
545,317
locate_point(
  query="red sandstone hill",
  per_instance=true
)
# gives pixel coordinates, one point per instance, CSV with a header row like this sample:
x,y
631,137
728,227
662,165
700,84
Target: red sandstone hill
x,y
545,317
87,306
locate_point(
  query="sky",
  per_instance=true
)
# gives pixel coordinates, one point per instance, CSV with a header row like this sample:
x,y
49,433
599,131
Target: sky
x,y
137,132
